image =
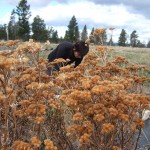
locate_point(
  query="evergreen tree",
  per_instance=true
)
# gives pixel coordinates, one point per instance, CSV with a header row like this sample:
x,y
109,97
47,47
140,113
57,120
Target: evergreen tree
x,y
40,33
12,26
61,39
77,34
148,44
122,39
23,12
55,37
3,33
84,34
72,34
140,45
66,37
50,32
92,31
96,38
133,39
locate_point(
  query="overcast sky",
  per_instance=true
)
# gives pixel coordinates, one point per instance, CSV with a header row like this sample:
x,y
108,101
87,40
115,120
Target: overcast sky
x,y
119,14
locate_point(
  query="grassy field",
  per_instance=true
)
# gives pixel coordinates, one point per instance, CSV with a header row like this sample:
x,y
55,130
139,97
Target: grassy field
x,y
134,55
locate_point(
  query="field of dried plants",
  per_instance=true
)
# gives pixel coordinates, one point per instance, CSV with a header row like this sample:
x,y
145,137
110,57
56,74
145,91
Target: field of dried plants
x,y
96,106
137,56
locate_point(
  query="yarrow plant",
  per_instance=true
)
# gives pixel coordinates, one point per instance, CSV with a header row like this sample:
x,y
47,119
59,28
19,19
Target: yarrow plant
x,y
95,106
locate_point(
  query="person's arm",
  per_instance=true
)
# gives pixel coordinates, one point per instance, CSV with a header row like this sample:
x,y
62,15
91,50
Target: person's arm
x,y
77,62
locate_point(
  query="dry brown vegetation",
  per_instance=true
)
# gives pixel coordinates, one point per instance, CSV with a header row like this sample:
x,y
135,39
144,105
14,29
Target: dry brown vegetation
x,y
96,106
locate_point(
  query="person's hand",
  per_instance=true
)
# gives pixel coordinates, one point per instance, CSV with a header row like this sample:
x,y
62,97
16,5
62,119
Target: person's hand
x,y
67,60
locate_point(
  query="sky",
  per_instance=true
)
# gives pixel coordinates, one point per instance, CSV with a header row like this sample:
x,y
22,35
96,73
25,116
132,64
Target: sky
x,y
120,14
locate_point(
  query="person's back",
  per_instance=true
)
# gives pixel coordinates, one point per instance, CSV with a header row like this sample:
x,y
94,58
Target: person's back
x,y
63,50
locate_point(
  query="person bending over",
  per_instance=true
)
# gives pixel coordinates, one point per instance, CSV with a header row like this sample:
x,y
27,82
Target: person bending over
x,y
70,52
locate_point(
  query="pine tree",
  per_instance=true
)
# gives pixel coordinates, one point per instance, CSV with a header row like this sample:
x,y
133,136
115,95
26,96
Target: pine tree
x,y
40,33
55,37
12,26
96,38
66,37
23,12
77,34
3,33
122,38
72,34
84,34
133,39
92,31
61,39
50,32
140,44
148,44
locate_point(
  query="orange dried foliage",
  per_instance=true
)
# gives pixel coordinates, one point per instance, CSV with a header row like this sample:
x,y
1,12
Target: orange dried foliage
x,y
93,103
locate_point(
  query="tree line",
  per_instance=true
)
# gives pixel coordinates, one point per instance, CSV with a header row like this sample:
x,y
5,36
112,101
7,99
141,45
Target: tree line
x,y
20,28
134,42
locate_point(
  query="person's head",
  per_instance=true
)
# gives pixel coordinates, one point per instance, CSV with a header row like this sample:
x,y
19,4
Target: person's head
x,y
80,49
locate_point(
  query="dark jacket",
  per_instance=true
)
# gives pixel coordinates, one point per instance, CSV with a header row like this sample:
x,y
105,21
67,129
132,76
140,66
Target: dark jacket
x,y
65,51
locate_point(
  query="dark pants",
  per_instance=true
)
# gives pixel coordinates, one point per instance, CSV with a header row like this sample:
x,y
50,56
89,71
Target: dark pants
x,y
50,70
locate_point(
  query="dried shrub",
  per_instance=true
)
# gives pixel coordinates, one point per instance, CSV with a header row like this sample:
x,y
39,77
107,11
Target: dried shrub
x,y
97,105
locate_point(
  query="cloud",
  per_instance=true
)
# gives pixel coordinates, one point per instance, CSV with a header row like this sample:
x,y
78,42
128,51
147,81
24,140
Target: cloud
x,y
10,2
5,18
61,30
36,3
41,3
136,6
